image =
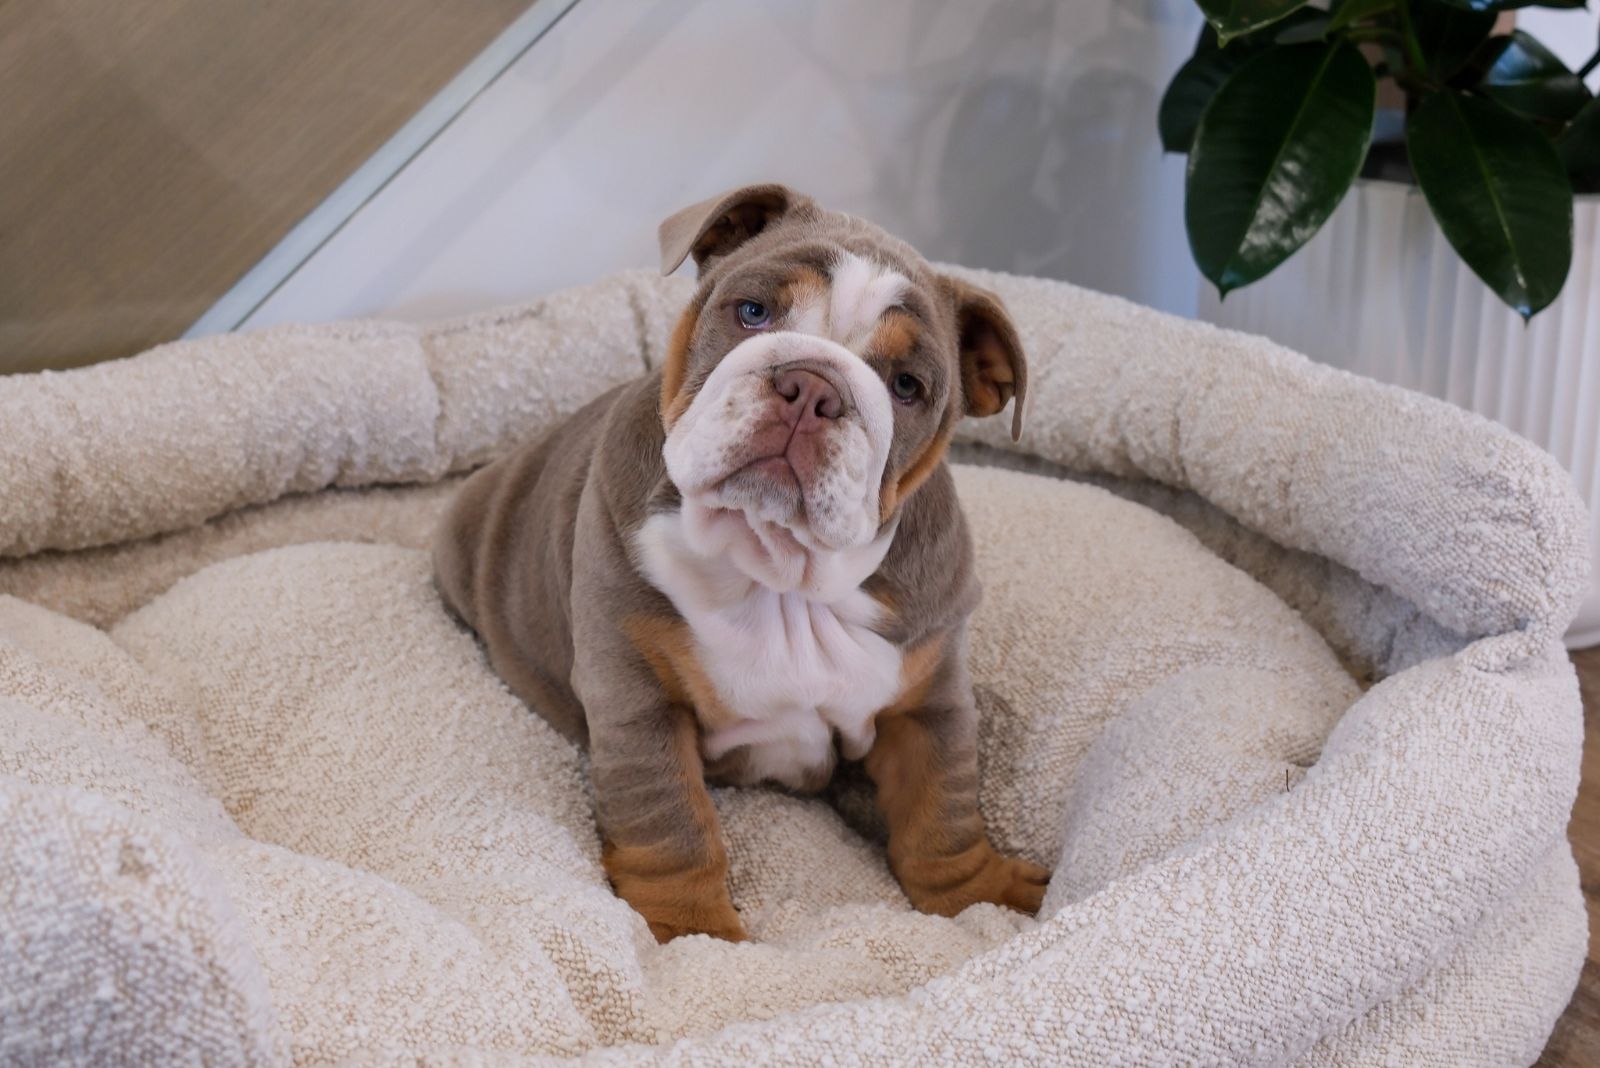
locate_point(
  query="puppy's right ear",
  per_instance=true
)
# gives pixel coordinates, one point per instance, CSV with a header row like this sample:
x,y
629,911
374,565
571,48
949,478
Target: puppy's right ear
x,y
717,226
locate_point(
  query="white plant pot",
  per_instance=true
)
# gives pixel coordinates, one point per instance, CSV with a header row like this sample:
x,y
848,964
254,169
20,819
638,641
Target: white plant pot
x,y
1379,291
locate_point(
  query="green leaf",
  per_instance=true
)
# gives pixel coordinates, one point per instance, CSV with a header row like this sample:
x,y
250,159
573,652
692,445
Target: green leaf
x,y
1500,193
1447,34
1355,10
1580,145
1313,29
1191,89
1234,17
1274,154
1527,77
1198,80
1510,5
1291,29
1580,148
1257,39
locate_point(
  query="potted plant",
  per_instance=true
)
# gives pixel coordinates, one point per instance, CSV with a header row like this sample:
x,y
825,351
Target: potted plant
x,y
1442,224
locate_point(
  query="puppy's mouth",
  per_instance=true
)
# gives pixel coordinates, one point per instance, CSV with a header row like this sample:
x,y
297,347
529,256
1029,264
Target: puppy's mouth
x,y
768,486
776,470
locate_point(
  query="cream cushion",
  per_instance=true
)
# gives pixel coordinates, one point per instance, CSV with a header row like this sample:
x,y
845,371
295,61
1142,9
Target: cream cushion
x,y
1300,750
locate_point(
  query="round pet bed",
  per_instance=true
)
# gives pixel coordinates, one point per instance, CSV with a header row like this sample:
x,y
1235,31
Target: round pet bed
x,y
1268,662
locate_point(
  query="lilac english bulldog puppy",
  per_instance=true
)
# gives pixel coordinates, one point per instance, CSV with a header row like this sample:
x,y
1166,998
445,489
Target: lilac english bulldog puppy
x,y
752,562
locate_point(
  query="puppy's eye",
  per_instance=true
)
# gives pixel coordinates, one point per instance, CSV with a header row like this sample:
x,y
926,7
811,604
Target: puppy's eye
x,y
753,315
906,387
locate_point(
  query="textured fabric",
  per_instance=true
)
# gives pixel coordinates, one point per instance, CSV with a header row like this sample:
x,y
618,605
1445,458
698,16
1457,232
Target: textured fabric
x,y
262,800
190,431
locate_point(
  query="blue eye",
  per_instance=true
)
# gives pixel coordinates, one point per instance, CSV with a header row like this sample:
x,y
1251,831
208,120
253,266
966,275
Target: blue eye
x,y
753,315
907,388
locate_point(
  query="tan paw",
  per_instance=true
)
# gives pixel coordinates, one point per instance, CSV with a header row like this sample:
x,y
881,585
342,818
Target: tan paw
x,y
947,886
717,920
675,899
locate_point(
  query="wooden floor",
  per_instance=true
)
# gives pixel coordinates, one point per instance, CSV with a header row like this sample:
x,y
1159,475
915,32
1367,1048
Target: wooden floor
x,y
1576,1040
152,152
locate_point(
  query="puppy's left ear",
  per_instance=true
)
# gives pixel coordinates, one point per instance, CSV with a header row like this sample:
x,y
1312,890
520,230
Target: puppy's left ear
x,y
993,367
717,226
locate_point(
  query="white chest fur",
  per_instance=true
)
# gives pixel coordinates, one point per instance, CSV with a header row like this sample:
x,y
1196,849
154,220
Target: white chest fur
x,y
793,668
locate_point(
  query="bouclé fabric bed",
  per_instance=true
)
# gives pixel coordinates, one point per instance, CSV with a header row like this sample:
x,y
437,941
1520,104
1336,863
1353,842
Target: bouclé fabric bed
x,y
1269,664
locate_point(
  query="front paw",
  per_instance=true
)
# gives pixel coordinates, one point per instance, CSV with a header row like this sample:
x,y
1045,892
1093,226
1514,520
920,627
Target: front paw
x,y
944,886
675,899
719,920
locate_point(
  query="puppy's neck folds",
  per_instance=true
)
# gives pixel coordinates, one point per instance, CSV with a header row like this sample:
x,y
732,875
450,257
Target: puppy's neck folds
x,y
770,555
785,634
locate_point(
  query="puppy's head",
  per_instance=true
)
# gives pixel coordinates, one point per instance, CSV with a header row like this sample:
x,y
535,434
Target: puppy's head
x,y
815,379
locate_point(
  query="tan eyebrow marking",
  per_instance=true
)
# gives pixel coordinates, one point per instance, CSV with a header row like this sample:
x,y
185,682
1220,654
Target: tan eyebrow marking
x,y
895,335
805,299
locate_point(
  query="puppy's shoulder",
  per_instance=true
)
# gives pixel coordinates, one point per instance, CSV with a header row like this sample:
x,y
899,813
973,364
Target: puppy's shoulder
x,y
928,579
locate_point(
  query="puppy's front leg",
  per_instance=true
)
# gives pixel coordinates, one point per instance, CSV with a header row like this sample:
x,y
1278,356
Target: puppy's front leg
x,y
925,765
662,844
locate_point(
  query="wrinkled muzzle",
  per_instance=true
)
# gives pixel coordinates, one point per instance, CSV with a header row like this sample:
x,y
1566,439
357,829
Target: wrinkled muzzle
x,y
791,432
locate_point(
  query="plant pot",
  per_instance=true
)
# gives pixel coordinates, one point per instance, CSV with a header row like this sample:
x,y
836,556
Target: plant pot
x,y
1379,291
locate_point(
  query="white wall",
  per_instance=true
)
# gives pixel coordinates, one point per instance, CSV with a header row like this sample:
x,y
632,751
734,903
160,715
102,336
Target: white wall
x,y
1017,134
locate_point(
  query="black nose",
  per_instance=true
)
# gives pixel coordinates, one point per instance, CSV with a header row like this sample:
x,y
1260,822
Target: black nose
x,y
808,397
